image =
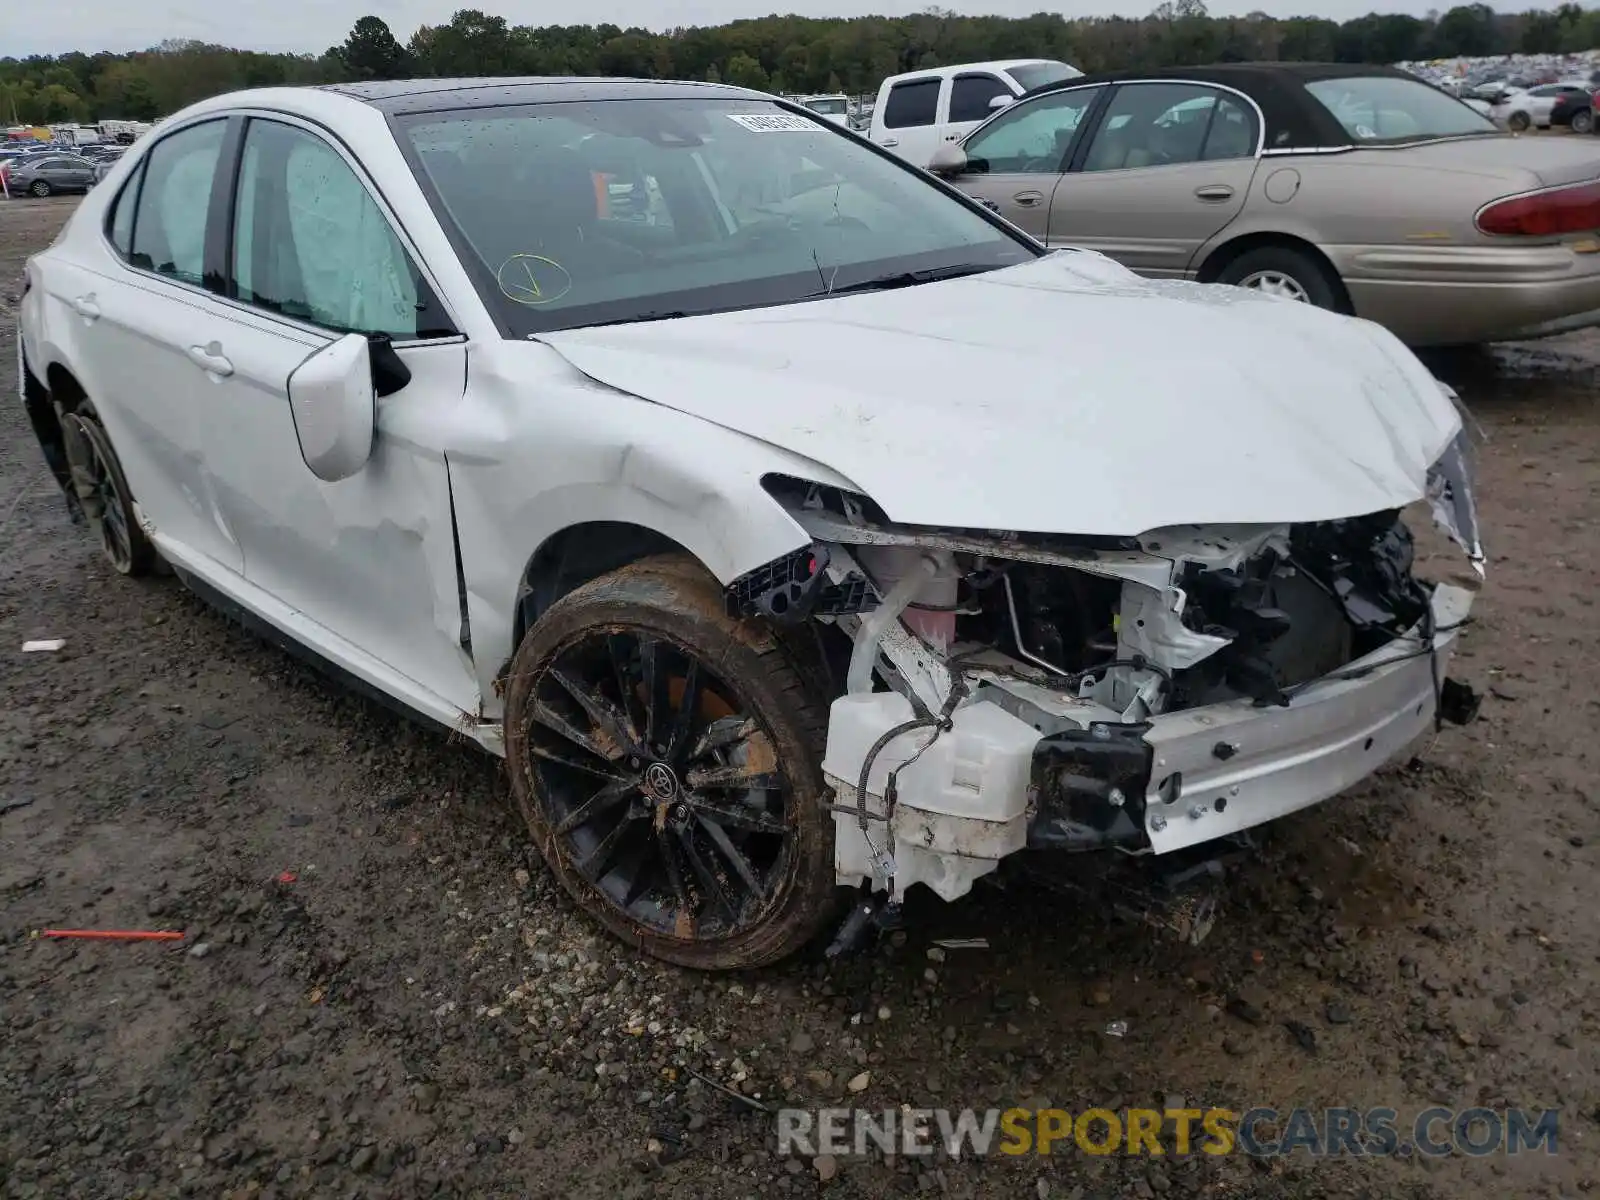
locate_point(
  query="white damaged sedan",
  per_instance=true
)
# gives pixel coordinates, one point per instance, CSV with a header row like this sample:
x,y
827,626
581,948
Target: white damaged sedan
x,y
797,529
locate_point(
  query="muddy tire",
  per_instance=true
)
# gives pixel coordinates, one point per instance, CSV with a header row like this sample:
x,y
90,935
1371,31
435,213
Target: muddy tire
x,y
667,760
103,494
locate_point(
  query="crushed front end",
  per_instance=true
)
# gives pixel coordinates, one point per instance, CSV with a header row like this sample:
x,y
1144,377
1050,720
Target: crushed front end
x,y
1143,694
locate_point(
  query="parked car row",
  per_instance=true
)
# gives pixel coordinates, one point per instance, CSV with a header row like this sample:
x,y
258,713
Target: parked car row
x,y
692,520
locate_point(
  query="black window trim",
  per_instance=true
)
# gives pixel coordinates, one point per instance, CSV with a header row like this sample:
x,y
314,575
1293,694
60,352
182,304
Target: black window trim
x,y
1080,151
1005,88
219,231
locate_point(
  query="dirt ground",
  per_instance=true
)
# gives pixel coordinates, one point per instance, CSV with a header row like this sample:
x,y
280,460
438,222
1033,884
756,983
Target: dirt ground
x,y
420,1012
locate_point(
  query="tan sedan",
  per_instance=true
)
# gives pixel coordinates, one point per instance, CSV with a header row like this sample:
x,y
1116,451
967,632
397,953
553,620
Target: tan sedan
x,y
1360,189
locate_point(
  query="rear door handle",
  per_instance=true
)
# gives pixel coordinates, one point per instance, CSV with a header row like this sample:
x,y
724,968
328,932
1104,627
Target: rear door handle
x,y
211,359
1028,199
1214,191
85,307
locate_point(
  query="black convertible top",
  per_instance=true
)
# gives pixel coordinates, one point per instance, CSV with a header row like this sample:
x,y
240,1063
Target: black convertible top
x,y
1294,118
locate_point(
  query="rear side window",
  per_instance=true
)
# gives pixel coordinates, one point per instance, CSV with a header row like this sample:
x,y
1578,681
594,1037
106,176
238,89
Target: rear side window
x,y
120,228
970,96
169,230
1232,133
914,103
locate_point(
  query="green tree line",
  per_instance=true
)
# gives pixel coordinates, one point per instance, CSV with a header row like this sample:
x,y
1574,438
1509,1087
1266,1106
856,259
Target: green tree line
x,y
773,53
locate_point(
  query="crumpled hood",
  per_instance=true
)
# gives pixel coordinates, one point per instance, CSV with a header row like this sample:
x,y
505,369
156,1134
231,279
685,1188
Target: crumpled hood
x,y
1066,395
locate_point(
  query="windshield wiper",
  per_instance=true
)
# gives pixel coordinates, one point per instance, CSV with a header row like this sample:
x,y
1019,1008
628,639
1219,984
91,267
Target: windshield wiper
x,y
899,279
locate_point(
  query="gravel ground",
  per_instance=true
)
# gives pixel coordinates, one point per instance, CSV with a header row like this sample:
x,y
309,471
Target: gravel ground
x,y
420,1012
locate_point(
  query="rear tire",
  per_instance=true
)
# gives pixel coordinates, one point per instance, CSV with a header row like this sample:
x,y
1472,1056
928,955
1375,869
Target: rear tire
x,y
40,188
1288,272
667,761
103,493
1583,121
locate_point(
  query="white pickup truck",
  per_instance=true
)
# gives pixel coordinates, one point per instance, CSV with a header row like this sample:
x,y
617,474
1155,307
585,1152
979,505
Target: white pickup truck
x,y
919,111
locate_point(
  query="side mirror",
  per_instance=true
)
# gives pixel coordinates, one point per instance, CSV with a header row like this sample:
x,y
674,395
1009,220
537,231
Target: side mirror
x,y
1000,102
948,159
334,406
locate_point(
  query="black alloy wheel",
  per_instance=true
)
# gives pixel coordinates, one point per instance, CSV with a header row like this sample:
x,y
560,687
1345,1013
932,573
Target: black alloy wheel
x,y
677,801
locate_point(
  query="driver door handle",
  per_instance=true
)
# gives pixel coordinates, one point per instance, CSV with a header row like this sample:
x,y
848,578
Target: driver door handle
x,y
85,307
1028,199
890,142
210,358
1214,191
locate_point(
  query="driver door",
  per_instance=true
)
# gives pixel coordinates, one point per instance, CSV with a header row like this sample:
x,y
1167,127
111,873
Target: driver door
x,y
366,564
1015,161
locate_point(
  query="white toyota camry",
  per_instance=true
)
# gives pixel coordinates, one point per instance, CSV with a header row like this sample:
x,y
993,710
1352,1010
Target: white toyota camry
x,y
797,529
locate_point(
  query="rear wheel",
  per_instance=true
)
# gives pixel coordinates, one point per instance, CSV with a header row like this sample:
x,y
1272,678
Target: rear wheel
x,y
666,758
103,493
1287,272
1583,121
40,188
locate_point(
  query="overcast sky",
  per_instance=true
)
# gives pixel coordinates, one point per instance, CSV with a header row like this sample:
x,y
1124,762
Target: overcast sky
x,y
54,26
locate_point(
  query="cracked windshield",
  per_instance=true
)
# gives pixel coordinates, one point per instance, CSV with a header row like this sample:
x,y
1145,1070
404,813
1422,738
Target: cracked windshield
x,y
632,211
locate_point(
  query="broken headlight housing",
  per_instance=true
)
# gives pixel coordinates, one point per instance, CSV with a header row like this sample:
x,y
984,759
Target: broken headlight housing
x,y
1450,493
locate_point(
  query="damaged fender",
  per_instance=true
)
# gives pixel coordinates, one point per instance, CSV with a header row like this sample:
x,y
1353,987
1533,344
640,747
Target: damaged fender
x,y
529,463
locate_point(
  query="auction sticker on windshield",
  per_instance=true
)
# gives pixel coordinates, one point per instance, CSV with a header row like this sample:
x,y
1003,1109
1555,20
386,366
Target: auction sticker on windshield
x,y
774,122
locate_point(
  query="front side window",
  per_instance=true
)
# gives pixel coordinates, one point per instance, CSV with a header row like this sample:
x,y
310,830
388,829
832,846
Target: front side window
x,y
912,104
1152,125
311,243
730,203
1384,109
1033,138
971,95
169,229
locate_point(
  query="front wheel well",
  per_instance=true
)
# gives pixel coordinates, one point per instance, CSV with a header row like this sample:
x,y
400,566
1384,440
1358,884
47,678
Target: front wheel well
x,y
1228,252
571,558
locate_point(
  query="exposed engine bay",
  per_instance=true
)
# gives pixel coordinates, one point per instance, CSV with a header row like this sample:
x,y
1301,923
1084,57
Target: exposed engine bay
x,y
1138,694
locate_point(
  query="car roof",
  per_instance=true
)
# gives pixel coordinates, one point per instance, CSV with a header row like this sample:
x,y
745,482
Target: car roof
x,y
400,96
1294,119
993,64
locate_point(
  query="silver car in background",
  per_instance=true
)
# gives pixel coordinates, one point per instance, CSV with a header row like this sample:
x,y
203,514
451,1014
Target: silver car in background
x,y
1358,189
46,174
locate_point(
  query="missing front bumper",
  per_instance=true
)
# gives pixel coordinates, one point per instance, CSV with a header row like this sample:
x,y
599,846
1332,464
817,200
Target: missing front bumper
x,y
993,785
1228,767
